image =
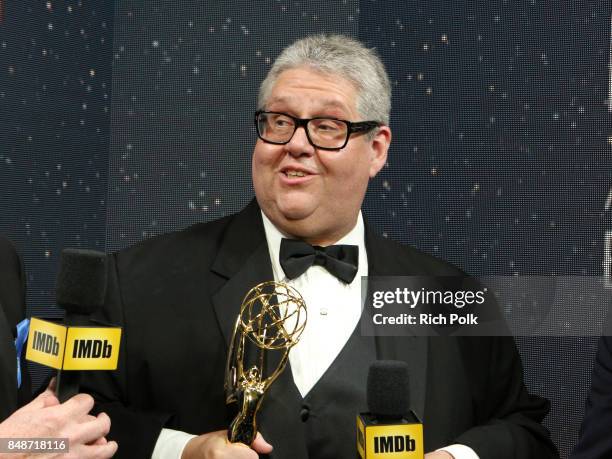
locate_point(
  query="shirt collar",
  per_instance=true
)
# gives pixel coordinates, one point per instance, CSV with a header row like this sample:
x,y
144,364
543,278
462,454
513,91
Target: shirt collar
x,y
354,237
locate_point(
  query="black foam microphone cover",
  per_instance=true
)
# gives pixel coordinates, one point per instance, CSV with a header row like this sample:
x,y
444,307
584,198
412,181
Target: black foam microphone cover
x,y
80,291
81,281
388,390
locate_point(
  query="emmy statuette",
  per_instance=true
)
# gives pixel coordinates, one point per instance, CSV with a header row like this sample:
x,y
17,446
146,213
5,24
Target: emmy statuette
x,y
271,320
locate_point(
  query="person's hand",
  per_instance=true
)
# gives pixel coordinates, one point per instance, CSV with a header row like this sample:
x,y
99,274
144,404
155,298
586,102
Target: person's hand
x,y
215,445
439,455
45,417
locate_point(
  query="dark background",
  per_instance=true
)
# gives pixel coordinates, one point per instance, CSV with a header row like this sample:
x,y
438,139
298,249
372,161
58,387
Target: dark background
x,y
121,120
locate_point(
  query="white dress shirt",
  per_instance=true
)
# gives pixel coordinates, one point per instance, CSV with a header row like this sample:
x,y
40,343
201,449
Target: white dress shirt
x,y
333,309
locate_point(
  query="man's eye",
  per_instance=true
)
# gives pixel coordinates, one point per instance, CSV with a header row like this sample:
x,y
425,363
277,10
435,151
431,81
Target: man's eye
x,y
328,126
281,122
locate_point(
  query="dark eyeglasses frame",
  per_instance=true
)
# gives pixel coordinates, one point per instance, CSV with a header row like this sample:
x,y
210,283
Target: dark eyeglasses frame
x,y
360,127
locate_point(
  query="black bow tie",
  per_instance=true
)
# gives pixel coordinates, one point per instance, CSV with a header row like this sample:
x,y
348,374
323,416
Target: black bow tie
x,y
340,260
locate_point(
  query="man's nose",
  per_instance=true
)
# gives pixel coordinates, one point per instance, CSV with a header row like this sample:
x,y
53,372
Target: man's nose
x,y
299,144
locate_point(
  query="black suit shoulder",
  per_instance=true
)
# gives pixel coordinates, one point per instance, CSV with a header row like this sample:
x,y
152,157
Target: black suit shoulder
x,y
12,293
595,440
188,257
426,262
401,259
197,240
150,276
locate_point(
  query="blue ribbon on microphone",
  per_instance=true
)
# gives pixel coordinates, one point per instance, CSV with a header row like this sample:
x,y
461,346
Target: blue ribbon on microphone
x,y
23,328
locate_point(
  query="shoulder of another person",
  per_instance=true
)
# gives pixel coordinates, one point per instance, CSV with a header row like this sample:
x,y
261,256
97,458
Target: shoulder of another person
x,y
7,250
12,286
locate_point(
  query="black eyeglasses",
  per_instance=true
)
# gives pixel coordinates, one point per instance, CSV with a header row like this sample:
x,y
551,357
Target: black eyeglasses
x,y
324,133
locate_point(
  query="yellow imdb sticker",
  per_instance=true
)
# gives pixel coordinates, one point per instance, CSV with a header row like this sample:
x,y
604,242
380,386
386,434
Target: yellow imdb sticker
x,y
398,441
389,441
46,342
89,348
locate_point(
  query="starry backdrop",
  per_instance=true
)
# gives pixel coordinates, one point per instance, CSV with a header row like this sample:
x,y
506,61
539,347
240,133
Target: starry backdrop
x,y
122,120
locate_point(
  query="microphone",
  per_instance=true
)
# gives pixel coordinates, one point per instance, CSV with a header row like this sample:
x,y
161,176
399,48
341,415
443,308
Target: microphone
x,y
389,428
76,345
81,289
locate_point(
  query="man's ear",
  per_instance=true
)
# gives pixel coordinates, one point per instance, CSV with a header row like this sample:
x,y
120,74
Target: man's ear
x,y
380,146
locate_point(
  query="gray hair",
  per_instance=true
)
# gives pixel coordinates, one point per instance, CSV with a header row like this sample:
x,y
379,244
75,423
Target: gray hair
x,y
342,56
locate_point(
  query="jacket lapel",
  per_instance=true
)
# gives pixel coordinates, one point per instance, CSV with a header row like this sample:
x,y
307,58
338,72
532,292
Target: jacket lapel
x,y
244,260
383,260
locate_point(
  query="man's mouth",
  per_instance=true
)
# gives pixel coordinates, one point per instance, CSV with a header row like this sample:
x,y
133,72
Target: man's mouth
x,y
292,173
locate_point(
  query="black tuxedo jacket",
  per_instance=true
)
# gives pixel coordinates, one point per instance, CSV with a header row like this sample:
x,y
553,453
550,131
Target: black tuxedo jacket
x,y
177,297
595,434
12,311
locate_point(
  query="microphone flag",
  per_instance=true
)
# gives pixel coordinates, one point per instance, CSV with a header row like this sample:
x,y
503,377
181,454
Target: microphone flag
x,y
73,348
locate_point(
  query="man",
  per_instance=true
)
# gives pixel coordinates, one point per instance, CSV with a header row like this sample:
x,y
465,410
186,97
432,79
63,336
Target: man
x,y
44,417
12,311
323,134
595,439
